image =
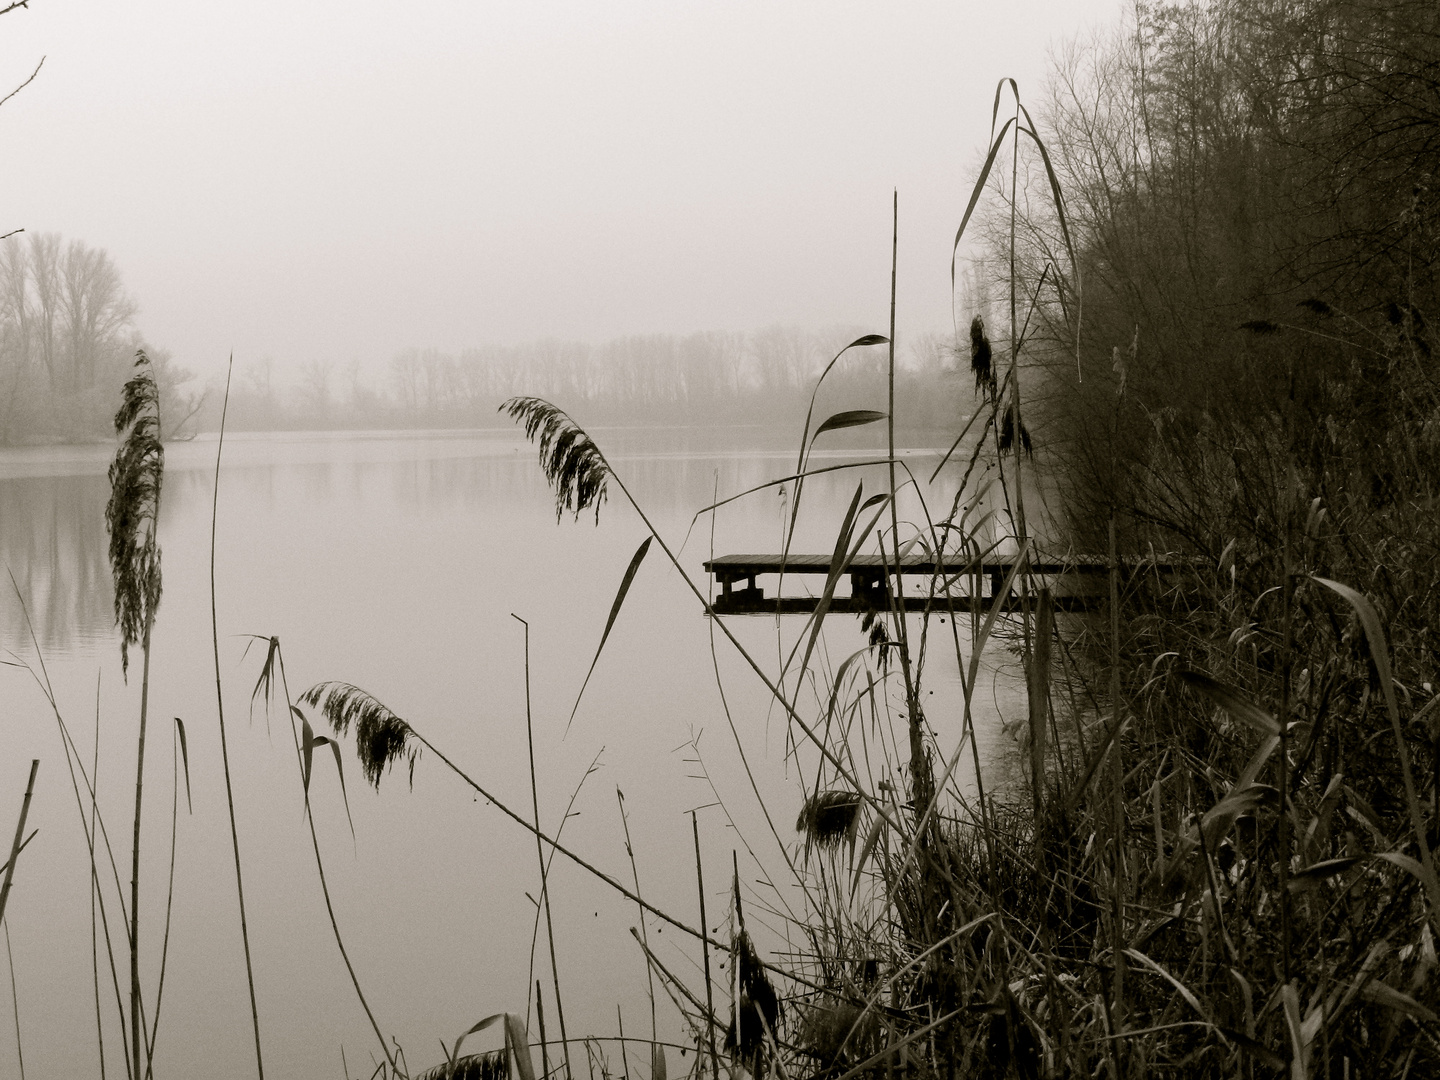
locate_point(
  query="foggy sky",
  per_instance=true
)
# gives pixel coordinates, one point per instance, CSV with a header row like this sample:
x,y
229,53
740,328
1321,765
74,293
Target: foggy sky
x,y
337,181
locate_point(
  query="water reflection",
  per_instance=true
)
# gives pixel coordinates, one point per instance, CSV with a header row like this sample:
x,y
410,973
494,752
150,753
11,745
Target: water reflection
x,y
53,540
53,537
395,562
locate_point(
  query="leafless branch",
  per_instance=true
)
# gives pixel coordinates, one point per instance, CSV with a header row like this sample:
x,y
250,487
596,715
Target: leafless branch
x,y
27,82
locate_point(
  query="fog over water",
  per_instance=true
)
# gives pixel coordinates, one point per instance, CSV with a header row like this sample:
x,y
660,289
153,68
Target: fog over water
x,y
341,181
394,561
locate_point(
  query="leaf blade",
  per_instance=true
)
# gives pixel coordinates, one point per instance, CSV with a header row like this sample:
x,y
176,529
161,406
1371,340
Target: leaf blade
x,y
848,418
620,595
1232,701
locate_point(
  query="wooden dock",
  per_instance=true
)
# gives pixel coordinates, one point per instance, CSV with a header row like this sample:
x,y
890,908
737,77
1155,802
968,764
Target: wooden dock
x,y
1071,580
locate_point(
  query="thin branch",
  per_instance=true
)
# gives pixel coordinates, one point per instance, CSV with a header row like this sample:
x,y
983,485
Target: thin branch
x,y
27,82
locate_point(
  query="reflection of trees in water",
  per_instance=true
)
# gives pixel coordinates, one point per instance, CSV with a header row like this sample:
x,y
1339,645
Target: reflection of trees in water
x,y
52,528
52,538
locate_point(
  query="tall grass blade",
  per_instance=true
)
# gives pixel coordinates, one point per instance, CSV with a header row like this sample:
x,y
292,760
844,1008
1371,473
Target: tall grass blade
x,y
843,555
177,747
1233,702
805,440
1180,988
308,742
1039,695
1055,193
519,1042
635,561
995,144
185,761
1380,653
1384,994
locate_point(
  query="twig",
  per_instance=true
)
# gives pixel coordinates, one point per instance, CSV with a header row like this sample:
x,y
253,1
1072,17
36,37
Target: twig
x,y
27,82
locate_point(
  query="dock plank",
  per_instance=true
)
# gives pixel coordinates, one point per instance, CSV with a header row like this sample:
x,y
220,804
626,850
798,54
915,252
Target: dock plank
x,y
870,574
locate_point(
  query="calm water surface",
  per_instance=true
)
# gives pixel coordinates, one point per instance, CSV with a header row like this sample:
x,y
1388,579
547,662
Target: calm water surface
x,y
395,561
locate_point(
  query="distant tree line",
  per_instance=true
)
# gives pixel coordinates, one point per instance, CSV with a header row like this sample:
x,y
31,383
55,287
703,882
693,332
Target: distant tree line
x,y
67,341
716,377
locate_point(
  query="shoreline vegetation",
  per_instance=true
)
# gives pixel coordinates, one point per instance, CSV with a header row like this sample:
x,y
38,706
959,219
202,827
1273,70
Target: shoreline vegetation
x,y
1203,304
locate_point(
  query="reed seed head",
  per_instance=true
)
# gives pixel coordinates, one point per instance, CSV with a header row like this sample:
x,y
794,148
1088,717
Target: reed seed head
x,y
381,737
829,817
133,511
572,463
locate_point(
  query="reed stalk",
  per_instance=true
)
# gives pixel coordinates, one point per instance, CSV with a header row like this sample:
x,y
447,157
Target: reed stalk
x,y
705,953
19,836
15,1001
644,933
540,856
133,516
224,742
95,883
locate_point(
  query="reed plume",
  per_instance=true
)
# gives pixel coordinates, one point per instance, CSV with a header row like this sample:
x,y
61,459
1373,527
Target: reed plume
x,y
133,511
491,1066
132,516
572,462
381,737
980,359
829,817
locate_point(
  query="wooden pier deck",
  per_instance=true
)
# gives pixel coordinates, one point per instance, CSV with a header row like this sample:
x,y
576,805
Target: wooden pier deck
x,y
869,582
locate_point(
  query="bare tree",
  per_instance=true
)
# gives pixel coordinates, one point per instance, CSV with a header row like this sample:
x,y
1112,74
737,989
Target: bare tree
x,y
315,378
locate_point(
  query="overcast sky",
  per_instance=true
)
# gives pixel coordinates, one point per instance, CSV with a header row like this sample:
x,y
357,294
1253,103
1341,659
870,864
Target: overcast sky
x,y
341,180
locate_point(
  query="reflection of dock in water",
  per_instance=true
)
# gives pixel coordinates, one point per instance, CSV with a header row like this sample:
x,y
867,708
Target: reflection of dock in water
x,y
1075,582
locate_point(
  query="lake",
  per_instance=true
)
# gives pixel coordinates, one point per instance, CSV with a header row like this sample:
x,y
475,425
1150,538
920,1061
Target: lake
x,y
395,561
